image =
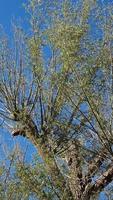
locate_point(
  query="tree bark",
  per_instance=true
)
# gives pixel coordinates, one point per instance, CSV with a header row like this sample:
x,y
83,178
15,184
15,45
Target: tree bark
x,y
75,175
30,131
77,186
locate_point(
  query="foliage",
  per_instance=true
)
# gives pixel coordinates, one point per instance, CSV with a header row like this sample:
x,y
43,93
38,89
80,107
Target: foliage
x,y
56,89
22,180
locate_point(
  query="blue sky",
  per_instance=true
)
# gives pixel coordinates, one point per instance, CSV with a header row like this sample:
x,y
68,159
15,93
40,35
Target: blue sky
x,y
9,10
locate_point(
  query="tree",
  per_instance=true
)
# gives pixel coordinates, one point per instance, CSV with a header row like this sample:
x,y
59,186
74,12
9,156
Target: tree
x,y
56,87
21,180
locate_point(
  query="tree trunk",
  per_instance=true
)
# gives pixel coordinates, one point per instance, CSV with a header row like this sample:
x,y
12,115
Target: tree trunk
x,y
75,180
45,151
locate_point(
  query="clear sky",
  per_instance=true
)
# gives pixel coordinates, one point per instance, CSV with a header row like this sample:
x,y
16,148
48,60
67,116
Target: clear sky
x,y
10,9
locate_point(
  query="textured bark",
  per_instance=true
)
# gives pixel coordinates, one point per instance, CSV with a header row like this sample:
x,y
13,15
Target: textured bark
x,y
103,180
93,189
29,130
77,186
75,179
97,161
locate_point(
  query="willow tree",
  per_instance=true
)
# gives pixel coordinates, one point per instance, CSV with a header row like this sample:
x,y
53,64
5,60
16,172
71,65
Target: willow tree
x,y
56,86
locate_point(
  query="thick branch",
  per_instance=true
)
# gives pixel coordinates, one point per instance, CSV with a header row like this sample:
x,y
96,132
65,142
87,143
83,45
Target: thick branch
x,y
73,156
97,161
104,180
101,183
42,144
100,157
